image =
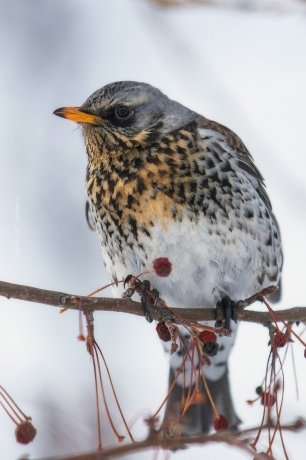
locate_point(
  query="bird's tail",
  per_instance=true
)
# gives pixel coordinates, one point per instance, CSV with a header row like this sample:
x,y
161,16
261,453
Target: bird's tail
x,y
199,416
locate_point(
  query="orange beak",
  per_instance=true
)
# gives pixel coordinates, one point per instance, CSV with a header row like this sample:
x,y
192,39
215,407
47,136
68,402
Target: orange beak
x,y
76,115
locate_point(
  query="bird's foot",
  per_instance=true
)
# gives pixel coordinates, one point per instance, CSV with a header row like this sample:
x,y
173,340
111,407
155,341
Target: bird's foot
x,y
145,288
148,297
226,310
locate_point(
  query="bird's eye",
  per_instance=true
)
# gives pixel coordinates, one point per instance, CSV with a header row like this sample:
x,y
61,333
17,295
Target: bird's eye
x,y
122,112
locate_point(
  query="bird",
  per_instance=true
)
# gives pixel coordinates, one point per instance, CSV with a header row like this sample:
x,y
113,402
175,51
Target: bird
x,y
165,181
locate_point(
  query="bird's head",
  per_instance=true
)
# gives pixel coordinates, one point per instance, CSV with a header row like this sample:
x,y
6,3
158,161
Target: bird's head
x,y
127,114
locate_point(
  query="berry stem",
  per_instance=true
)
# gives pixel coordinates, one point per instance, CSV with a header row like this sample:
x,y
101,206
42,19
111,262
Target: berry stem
x,y
9,414
97,403
114,393
170,389
210,398
10,402
119,437
103,287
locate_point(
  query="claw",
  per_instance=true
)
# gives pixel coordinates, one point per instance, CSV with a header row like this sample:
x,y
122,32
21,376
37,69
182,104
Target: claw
x,y
219,314
227,309
127,279
144,300
156,296
235,308
146,285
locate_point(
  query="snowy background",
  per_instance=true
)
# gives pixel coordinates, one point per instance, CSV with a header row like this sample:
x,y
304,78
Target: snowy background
x,y
244,69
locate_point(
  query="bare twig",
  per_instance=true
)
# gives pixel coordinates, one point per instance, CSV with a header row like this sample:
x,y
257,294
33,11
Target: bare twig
x,y
154,442
155,439
126,305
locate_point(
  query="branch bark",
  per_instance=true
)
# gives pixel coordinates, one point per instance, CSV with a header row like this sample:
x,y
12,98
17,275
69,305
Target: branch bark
x,y
154,440
126,305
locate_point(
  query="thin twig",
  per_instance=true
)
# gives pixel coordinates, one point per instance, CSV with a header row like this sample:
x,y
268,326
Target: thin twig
x,y
155,439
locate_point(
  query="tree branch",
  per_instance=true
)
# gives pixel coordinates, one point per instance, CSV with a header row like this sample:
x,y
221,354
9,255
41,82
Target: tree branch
x,y
126,305
155,440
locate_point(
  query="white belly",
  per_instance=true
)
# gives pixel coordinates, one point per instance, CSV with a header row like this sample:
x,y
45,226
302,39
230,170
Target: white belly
x,y
205,266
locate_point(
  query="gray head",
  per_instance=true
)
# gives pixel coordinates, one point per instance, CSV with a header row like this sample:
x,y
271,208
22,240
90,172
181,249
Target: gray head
x,y
131,111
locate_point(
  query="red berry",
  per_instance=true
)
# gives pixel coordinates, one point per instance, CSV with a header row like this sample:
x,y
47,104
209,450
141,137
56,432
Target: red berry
x,y
210,348
267,399
220,423
280,339
25,432
258,390
207,336
163,332
162,266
